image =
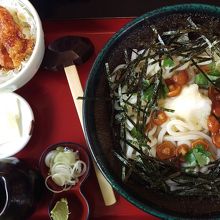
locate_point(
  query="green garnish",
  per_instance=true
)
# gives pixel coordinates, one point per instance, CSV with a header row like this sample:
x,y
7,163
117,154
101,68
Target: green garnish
x,y
202,81
215,73
148,93
143,93
190,159
198,156
164,89
213,69
168,62
136,134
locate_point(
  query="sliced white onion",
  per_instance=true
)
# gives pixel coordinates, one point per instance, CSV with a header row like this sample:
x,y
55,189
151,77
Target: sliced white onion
x,y
49,157
59,179
65,168
79,168
65,188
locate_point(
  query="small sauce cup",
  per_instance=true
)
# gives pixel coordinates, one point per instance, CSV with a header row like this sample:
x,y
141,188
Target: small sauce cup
x,y
77,203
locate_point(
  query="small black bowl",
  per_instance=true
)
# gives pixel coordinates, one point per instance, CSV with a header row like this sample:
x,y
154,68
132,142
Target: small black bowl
x,y
20,189
97,114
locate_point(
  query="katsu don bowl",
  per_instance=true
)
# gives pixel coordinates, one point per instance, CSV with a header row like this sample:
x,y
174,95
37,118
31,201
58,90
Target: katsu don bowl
x,y
21,44
152,112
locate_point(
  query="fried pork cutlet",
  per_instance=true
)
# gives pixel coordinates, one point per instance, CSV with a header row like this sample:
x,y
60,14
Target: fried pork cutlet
x,y
5,60
14,48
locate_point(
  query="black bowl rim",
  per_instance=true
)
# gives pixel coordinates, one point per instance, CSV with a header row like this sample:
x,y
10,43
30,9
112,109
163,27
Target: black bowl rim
x,y
89,90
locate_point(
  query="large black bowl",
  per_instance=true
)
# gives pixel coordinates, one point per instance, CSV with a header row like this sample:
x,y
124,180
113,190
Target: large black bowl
x,y
97,114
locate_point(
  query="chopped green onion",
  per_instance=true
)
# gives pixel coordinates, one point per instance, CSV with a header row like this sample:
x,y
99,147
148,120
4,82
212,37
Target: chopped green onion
x,y
190,159
168,62
136,134
215,72
198,156
148,93
202,81
164,90
213,69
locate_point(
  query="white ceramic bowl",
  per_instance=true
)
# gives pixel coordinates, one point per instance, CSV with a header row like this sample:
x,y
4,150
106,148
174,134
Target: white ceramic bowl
x,y
16,126
30,66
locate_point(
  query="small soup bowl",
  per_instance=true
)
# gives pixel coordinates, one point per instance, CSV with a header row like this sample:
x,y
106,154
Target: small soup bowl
x,y
20,188
77,203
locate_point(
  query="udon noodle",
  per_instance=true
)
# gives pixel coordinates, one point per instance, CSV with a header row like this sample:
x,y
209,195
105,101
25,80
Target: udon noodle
x,y
167,99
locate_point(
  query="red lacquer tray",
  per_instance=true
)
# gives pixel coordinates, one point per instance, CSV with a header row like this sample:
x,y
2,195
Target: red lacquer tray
x,y
56,119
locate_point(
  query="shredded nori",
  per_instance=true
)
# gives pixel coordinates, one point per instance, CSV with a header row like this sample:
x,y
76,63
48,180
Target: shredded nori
x,y
154,173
